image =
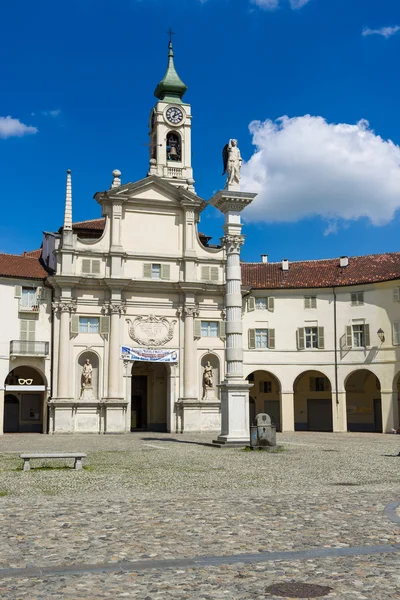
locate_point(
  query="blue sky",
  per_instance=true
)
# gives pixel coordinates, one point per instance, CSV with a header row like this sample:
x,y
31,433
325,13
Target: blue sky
x,y
82,73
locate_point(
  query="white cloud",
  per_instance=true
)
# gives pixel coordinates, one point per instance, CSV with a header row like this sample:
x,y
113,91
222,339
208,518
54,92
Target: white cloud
x,y
386,32
51,113
304,166
10,127
272,4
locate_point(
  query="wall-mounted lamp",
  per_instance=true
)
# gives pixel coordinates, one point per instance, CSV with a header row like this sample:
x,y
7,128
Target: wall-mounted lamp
x,y
381,335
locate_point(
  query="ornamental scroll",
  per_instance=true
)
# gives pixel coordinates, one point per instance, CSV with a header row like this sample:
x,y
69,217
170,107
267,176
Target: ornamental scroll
x,y
151,331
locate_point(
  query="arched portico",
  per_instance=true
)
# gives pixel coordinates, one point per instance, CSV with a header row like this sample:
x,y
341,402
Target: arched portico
x,y
363,402
265,396
313,402
24,406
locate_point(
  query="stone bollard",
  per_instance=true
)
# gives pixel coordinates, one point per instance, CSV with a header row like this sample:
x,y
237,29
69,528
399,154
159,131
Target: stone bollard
x,y
263,433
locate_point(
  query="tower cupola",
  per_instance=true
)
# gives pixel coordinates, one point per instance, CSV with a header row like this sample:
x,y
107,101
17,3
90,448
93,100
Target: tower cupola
x,y
171,87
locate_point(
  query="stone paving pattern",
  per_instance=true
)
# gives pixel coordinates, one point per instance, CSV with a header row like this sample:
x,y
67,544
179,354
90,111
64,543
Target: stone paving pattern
x,y
162,496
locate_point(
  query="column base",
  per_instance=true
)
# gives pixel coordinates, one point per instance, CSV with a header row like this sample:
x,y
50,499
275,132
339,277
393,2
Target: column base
x,y
235,417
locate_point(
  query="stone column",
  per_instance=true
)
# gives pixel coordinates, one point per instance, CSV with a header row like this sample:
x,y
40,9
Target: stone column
x,y
190,354
287,411
64,367
114,358
390,413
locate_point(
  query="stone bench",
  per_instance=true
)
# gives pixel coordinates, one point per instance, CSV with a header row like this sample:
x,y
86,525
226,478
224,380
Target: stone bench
x,y
76,455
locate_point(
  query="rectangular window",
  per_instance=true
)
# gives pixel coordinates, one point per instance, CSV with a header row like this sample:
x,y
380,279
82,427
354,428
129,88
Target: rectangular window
x,y
310,301
320,385
311,337
156,271
357,299
28,297
396,333
209,329
89,324
261,338
261,304
265,387
359,336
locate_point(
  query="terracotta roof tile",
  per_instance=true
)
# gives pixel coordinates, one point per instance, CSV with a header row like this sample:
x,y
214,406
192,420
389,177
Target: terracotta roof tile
x,y
24,267
33,253
90,224
322,273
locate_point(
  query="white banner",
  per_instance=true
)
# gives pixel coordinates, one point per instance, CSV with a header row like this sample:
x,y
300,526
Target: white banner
x,y
150,354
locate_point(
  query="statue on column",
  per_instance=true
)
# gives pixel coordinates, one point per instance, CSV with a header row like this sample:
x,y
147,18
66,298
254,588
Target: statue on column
x,y
87,374
232,164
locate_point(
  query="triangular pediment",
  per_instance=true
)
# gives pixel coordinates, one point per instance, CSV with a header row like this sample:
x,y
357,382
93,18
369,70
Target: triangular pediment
x,y
153,191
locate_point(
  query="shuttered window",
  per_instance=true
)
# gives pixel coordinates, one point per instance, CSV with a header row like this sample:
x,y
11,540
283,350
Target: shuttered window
x,y
265,303
156,271
396,294
89,324
358,336
91,266
310,301
261,339
210,273
310,337
27,330
396,333
209,329
357,299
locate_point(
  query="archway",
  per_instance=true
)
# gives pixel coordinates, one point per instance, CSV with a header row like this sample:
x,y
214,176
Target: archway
x,y
363,401
149,394
24,407
313,402
265,396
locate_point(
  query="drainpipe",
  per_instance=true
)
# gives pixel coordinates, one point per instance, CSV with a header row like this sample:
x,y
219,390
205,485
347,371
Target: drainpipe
x,y
335,346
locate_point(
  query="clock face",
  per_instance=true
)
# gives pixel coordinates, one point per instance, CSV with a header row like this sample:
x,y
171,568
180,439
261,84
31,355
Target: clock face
x,y
174,115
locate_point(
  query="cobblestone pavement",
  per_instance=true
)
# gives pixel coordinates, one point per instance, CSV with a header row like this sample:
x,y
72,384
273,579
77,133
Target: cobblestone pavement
x,y
145,497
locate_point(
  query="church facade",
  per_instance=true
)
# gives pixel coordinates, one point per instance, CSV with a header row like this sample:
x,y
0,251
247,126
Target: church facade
x,y
133,321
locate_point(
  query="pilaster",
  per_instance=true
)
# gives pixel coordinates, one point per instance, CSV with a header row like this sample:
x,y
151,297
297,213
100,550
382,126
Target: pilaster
x,y
65,308
287,411
390,413
115,310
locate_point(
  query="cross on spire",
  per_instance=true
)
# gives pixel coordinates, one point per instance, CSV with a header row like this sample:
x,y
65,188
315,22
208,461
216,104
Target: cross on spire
x,y
171,33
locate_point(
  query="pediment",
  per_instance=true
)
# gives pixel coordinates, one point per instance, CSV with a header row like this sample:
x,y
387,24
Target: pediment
x,y
152,191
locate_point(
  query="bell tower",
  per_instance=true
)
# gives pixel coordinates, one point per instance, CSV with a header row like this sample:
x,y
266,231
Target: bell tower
x,y
170,130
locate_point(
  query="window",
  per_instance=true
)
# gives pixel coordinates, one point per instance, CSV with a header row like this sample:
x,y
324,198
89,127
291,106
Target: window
x,y
265,387
310,337
27,330
310,301
209,328
396,294
261,339
396,333
89,324
319,384
90,267
156,271
28,298
357,299
357,336
210,273
267,303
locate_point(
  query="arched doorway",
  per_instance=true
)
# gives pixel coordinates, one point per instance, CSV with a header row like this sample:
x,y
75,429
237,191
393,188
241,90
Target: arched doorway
x,y
24,407
313,402
265,396
363,402
149,393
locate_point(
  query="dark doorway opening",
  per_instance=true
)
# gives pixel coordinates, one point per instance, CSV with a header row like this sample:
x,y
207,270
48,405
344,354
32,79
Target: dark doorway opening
x,y
378,425
319,413
139,402
11,414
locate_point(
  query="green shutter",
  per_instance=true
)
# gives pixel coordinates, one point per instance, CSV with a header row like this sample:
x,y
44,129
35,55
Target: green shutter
x,y
165,271
349,336
24,330
18,291
86,266
396,294
271,339
251,304
95,270
252,339
396,333
147,270
197,328
321,338
271,303
307,302
367,336
74,325
31,330
313,303
104,325
300,338
214,273
221,330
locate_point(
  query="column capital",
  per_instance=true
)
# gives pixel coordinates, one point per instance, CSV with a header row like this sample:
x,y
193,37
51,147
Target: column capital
x,y
114,308
190,311
233,243
64,306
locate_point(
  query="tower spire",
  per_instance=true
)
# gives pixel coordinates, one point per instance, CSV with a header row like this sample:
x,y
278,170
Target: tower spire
x,y
171,88
68,204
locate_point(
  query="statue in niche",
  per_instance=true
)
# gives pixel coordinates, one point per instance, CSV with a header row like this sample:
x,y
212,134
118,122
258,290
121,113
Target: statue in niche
x,y
232,163
208,382
87,374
